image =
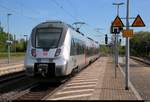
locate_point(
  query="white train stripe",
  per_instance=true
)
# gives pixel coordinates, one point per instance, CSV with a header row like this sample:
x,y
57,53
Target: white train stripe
x,y
67,97
75,91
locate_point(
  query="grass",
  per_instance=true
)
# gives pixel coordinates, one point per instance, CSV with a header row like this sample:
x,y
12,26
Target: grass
x,y
4,55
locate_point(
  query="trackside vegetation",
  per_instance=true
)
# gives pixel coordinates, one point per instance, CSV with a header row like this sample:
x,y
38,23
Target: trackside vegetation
x,y
140,44
18,47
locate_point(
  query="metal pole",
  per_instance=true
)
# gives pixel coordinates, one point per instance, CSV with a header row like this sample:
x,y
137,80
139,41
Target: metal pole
x,y
118,4
127,50
0,26
8,38
118,10
15,43
116,55
117,41
117,50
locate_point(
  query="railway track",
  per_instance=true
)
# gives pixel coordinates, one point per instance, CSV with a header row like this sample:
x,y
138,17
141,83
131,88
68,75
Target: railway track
x,y
22,87
14,84
11,76
42,89
14,94
33,90
39,91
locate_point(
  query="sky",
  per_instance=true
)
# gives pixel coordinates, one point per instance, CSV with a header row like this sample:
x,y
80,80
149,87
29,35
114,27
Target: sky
x,y
26,14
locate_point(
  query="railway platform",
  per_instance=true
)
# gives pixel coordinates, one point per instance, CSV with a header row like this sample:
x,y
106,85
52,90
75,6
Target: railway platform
x,y
13,66
96,82
11,69
4,62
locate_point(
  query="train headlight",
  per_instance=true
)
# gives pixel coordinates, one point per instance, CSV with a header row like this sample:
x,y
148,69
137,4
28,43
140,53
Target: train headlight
x,y
33,52
58,52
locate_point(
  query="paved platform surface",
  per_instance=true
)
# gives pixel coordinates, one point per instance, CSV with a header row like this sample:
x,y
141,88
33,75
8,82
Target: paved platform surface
x,y
4,62
11,69
97,82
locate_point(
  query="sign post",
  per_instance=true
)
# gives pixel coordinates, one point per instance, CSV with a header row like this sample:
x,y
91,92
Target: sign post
x,y
116,27
127,50
127,33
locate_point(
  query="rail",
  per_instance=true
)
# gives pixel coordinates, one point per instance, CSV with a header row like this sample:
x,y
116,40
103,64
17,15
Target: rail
x,y
12,76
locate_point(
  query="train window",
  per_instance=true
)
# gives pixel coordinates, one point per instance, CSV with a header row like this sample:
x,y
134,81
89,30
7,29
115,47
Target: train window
x,y
90,51
48,37
77,47
73,48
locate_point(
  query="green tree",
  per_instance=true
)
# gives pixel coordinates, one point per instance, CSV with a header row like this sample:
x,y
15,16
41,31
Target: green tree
x,y
140,44
18,46
3,38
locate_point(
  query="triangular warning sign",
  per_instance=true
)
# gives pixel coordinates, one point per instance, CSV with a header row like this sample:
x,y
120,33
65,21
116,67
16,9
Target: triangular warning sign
x,y
117,22
138,22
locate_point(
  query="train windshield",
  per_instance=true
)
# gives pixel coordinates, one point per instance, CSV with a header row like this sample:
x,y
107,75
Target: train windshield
x,y
48,37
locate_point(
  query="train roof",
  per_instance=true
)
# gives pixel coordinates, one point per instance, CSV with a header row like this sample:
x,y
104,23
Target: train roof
x,y
67,25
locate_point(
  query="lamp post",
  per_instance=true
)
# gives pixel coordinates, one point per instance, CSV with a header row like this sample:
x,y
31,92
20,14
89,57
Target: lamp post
x,y
14,43
0,27
8,41
118,4
116,35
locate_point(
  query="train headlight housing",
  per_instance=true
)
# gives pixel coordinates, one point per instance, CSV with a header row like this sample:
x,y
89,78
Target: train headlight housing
x,y
33,52
58,51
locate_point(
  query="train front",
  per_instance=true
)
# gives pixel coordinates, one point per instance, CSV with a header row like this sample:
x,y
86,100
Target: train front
x,y
46,54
